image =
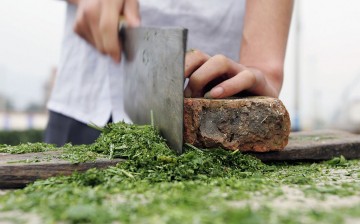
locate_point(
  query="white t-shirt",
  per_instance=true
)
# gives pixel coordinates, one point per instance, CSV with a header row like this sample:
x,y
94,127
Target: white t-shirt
x,y
88,86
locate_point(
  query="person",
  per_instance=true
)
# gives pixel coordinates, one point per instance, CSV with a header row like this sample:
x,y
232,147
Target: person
x,y
237,45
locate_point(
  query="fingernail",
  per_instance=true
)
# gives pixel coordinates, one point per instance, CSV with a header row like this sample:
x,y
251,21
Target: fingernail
x,y
207,95
187,93
216,92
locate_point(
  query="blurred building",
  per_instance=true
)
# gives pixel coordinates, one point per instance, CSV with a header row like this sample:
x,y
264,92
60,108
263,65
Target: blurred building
x,y
5,104
49,85
22,120
2,103
34,116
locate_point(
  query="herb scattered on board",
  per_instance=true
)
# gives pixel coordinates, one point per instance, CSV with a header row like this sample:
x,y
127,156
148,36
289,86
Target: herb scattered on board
x,y
204,186
27,148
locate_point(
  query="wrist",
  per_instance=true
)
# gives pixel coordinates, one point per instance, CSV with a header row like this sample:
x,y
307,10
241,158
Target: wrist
x,y
268,82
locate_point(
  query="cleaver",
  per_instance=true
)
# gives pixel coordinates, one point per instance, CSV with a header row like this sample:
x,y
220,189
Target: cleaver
x,y
154,79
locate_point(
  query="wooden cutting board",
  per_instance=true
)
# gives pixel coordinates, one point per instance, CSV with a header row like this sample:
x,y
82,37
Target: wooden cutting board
x,y
18,170
316,145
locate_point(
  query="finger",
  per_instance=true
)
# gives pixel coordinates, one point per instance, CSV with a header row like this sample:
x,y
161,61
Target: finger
x,y
214,68
131,13
108,27
245,80
92,16
193,60
82,28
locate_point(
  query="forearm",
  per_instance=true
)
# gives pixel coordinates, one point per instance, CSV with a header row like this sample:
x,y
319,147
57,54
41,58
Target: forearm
x,y
97,22
264,39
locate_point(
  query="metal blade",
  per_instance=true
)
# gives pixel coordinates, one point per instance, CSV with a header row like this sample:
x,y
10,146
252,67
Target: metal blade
x,y
154,79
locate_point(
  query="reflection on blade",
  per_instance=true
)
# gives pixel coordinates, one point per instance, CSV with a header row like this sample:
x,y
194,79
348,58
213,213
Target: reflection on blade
x,y
154,79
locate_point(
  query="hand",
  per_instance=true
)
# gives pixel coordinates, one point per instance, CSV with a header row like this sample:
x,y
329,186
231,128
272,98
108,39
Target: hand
x,y
97,22
225,76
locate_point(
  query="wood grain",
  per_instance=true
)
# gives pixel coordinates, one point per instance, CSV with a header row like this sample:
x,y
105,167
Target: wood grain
x,y
18,170
315,146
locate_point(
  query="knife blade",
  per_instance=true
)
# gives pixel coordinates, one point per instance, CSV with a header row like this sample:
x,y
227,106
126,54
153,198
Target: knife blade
x,y
154,79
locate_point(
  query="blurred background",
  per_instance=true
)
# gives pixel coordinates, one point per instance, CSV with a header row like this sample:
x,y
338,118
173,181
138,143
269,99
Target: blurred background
x,y
322,73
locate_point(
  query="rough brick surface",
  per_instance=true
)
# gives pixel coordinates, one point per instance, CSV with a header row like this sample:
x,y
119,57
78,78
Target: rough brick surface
x,y
258,124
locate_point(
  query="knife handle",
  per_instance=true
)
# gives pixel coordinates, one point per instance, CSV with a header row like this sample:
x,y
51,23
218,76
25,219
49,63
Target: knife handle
x,y
122,23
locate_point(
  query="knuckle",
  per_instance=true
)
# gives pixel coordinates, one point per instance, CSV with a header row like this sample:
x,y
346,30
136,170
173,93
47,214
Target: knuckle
x,y
90,13
249,75
87,10
199,55
221,59
79,26
195,82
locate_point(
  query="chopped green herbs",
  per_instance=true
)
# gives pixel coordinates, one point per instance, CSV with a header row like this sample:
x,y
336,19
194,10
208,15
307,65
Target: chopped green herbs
x,y
26,148
154,185
338,161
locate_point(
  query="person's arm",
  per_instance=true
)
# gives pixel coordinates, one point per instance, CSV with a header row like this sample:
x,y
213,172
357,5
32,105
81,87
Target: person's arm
x,y
262,54
97,22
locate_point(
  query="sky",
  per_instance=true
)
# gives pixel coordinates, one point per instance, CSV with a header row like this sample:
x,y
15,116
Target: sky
x,y
30,40
329,62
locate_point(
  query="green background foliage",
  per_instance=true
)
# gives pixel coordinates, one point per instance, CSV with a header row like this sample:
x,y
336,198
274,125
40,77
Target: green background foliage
x,y
18,137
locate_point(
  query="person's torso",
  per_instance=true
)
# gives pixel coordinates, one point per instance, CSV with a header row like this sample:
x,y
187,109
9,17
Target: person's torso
x,y
88,86
215,27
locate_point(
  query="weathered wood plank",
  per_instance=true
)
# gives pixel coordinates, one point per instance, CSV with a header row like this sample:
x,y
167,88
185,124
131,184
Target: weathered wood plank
x,y
17,170
315,146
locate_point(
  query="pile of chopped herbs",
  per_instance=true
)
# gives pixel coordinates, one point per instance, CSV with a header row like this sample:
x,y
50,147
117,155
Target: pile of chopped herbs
x,y
154,185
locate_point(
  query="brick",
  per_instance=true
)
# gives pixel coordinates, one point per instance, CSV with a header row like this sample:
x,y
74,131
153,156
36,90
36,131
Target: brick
x,y
255,124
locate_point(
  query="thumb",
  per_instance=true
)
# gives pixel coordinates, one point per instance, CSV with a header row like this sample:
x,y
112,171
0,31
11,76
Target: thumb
x,y
244,80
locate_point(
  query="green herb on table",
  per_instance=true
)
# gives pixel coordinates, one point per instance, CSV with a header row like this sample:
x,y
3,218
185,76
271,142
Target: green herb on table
x,y
154,185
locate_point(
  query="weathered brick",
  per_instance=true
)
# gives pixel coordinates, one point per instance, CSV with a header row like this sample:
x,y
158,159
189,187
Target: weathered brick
x,y
258,124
